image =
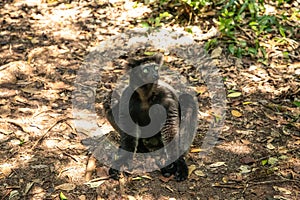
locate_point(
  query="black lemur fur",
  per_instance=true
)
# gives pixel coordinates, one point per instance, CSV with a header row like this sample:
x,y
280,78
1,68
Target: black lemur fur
x,y
143,92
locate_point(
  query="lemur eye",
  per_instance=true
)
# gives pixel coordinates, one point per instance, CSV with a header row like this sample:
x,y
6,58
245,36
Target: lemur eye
x,y
156,67
145,70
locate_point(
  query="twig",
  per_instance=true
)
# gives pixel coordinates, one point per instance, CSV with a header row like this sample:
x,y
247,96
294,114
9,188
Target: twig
x,y
14,122
65,153
48,130
274,181
228,186
99,179
249,184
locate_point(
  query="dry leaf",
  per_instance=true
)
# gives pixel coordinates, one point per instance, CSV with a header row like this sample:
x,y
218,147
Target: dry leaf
x,y
270,146
247,160
147,177
234,94
200,89
282,190
94,184
199,173
196,150
244,169
217,164
66,187
236,113
191,169
216,52
272,161
82,197
165,179
129,197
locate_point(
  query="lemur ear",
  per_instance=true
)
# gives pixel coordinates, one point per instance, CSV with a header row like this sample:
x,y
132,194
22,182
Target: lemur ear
x,y
159,58
131,63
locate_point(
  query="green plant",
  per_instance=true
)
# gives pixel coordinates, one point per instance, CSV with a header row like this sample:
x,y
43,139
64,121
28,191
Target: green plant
x,y
196,4
244,24
157,21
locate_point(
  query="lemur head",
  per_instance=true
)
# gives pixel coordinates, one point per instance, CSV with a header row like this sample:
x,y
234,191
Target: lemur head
x,y
145,70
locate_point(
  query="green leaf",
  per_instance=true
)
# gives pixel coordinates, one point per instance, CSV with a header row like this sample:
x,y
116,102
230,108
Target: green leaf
x,y
251,8
189,30
231,91
239,52
253,24
22,141
145,25
164,15
62,196
296,103
149,53
285,54
230,14
282,31
264,162
242,43
272,161
252,50
234,94
231,48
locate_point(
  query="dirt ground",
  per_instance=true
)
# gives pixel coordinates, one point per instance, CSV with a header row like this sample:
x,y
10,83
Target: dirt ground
x,y
44,44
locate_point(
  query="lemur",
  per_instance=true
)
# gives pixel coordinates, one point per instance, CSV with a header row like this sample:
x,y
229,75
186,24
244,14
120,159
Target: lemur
x,y
143,92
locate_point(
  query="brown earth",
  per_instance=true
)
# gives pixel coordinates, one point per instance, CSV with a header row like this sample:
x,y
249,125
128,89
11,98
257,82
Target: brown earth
x,y
43,44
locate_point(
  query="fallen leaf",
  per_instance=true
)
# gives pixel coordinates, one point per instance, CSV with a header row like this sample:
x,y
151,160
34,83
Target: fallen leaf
x,y
94,184
149,53
225,179
165,179
199,173
14,195
217,164
235,177
270,146
264,162
272,161
196,150
216,52
282,190
129,197
234,94
147,177
236,113
200,89
169,188
138,178
191,169
244,169
62,196
28,187
247,160
31,90
6,169
66,187
82,197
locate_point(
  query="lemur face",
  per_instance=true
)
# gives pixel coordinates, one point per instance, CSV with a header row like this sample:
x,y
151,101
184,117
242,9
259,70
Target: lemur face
x,y
148,73
145,71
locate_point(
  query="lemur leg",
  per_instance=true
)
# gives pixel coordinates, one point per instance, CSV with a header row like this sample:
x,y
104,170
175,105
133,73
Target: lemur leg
x,y
124,157
169,132
128,143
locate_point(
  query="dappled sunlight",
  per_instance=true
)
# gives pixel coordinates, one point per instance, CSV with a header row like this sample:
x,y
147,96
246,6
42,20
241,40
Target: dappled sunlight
x,y
235,147
45,42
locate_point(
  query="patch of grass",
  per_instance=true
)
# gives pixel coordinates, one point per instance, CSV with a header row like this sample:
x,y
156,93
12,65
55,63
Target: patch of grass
x,y
244,24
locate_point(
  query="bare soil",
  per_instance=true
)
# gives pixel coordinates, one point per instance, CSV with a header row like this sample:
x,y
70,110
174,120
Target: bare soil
x,y
44,43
